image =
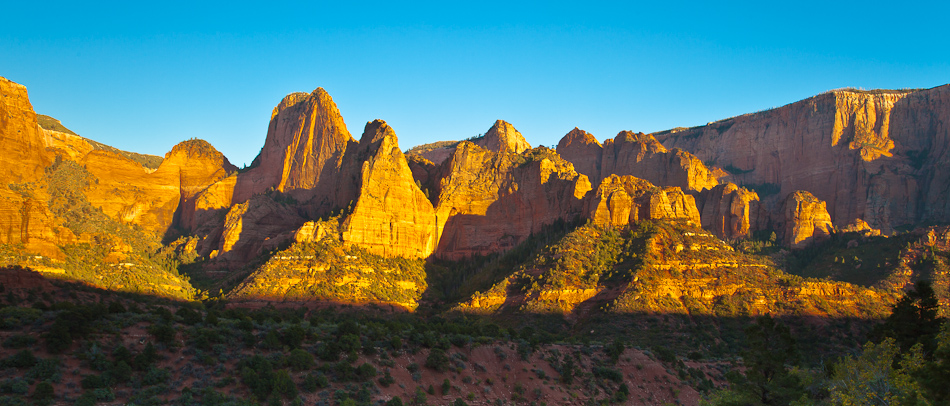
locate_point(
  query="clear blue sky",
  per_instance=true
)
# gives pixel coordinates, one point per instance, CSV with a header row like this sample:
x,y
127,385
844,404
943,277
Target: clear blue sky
x,y
143,76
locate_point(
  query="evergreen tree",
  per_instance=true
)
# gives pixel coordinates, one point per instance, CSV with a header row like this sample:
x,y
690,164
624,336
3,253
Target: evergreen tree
x,y
769,352
913,320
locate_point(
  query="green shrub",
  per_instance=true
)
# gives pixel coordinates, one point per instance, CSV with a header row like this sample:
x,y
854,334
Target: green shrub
x,y
15,316
300,360
437,360
155,376
608,373
43,393
44,369
19,341
284,385
22,359
366,372
16,385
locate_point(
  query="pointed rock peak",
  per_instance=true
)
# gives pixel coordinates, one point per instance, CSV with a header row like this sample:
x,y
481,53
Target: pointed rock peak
x,y
376,130
289,101
378,136
578,137
503,137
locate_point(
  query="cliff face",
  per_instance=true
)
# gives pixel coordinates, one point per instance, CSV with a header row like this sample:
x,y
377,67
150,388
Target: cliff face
x,y
732,212
197,165
490,200
636,154
24,214
875,156
584,151
153,199
392,216
622,200
21,138
305,143
503,137
253,227
806,220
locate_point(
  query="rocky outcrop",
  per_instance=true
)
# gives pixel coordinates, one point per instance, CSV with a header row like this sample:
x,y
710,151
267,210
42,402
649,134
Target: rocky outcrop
x,y
642,156
252,227
489,201
24,214
304,149
21,138
622,200
197,165
861,227
806,220
636,154
872,155
503,137
391,216
584,151
732,212
153,199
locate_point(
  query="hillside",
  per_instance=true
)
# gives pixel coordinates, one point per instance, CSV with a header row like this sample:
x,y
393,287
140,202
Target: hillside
x,y
335,268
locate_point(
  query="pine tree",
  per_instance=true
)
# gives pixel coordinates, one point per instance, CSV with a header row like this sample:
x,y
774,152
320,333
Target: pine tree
x,y
770,350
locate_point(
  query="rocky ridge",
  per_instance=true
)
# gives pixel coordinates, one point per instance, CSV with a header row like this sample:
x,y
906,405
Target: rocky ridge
x,y
870,155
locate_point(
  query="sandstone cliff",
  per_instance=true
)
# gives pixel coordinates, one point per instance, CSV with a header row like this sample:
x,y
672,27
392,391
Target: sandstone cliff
x,y
503,137
584,151
250,228
490,200
876,156
392,216
622,200
304,148
732,212
636,154
806,220
21,138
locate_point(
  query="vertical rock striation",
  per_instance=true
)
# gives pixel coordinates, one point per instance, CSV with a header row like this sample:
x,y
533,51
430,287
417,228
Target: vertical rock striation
x,y
636,154
878,156
391,216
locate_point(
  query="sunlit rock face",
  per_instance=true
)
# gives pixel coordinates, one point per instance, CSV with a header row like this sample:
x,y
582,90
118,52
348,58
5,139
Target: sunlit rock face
x,y
732,212
391,216
878,156
806,220
489,200
623,200
636,154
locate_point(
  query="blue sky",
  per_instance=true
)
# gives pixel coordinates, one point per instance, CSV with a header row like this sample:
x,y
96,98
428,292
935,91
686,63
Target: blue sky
x,y
142,77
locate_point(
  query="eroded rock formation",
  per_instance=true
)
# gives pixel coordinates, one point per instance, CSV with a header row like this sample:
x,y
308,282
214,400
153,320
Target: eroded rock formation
x,y
622,200
392,216
732,212
636,154
490,200
877,156
806,220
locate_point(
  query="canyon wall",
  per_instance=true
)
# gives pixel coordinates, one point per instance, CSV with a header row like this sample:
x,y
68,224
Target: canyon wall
x,y
872,155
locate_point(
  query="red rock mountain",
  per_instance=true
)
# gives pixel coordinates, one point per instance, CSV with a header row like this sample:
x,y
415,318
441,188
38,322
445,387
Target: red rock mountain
x,y
391,216
636,154
879,156
490,200
623,200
